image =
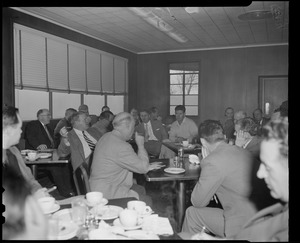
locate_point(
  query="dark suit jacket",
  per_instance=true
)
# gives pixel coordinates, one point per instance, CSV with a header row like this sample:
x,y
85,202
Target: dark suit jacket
x,y
76,148
158,130
36,135
254,146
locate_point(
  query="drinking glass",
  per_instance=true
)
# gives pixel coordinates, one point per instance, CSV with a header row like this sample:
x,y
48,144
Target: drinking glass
x,y
79,211
53,229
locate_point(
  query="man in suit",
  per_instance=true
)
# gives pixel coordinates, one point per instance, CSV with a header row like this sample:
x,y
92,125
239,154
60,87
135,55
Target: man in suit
x,y
228,124
226,172
153,132
76,143
271,223
260,120
93,118
39,136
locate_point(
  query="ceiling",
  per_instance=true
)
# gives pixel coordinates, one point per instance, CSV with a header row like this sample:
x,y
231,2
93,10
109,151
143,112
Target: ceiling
x,y
209,28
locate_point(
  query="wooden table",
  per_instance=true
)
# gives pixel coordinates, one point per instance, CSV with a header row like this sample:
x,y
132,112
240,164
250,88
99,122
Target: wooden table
x,y
176,146
54,159
191,173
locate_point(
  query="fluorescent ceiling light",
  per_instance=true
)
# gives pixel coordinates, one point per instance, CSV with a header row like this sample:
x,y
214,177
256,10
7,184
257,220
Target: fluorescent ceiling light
x,y
159,23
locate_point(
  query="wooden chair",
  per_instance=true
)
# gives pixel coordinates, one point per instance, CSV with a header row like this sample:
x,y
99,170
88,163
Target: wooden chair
x,y
81,179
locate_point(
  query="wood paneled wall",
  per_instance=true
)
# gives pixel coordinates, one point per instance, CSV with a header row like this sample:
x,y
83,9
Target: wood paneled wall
x,y
228,77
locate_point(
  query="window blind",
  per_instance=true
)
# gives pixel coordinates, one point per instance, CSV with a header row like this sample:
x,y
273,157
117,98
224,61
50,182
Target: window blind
x,y
93,72
107,73
120,75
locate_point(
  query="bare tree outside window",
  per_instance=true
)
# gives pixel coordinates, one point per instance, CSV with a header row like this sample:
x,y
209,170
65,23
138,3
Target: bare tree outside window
x,y
184,86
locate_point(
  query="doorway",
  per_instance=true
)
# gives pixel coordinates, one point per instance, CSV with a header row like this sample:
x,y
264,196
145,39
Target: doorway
x,y
273,90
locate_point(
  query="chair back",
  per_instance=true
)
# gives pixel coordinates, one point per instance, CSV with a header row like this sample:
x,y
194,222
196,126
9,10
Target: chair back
x,y
81,179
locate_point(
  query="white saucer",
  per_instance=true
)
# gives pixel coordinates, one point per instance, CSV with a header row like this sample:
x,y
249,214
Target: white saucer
x,y
53,209
102,203
106,212
67,230
63,215
118,223
173,170
141,234
44,155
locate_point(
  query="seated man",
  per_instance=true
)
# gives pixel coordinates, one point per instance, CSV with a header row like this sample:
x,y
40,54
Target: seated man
x,y
183,128
226,172
93,118
24,220
154,115
39,136
104,123
271,223
12,157
80,142
134,112
105,108
260,120
63,123
239,115
115,161
153,132
228,124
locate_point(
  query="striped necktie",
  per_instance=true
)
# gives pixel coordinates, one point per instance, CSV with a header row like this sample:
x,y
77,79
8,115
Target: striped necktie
x,y
89,141
49,136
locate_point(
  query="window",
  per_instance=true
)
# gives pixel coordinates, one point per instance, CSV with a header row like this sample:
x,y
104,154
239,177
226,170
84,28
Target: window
x,y
29,102
95,103
184,87
115,103
63,101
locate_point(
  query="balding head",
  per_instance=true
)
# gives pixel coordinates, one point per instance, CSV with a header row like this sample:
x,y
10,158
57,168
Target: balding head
x,y
124,124
239,115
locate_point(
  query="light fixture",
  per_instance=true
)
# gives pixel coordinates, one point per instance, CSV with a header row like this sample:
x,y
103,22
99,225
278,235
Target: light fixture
x,y
192,9
159,23
255,15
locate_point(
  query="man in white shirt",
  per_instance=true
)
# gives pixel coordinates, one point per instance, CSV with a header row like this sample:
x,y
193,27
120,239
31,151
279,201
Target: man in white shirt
x,y
183,128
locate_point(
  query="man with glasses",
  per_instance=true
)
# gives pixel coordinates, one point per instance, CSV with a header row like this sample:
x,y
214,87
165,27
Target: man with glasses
x,y
39,136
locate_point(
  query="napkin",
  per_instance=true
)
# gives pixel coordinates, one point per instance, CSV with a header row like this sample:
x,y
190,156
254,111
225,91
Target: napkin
x,y
157,225
194,159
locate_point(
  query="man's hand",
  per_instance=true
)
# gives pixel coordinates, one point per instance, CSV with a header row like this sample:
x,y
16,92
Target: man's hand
x,y
241,138
139,139
41,193
42,147
155,166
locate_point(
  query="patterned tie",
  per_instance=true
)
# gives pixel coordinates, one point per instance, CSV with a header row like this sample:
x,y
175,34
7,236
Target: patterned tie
x,y
146,132
49,136
89,142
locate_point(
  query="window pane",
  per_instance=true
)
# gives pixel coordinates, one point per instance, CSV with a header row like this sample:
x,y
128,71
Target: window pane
x,y
115,103
95,103
63,101
191,89
176,100
176,79
176,89
172,109
191,78
191,100
29,102
191,110
175,71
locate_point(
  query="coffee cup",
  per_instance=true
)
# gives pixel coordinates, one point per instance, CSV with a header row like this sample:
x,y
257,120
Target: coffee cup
x,y
128,217
185,143
46,203
32,156
139,206
94,198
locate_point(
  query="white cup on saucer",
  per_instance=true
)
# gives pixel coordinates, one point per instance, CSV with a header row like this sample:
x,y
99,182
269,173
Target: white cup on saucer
x,y
32,155
128,217
94,198
46,203
139,206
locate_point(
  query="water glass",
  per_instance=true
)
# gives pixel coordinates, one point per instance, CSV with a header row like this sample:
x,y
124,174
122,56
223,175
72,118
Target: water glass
x,y
79,211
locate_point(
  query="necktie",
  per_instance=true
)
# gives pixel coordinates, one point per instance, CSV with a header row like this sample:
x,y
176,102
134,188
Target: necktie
x,y
146,133
89,141
49,136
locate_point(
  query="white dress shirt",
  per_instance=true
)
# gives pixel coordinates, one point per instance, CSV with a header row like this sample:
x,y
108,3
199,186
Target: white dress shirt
x,y
150,131
86,148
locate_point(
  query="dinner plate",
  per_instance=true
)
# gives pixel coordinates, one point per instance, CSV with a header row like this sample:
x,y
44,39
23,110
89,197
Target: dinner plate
x,y
106,212
55,208
103,202
173,170
25,151
141,234
66,230
119,224
44,155
63,215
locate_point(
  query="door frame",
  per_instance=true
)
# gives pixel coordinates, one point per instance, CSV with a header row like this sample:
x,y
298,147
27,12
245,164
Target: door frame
x,y
261,81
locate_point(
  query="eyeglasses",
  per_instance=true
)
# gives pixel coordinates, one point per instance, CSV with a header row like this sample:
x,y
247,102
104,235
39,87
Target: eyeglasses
x,y
46,115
